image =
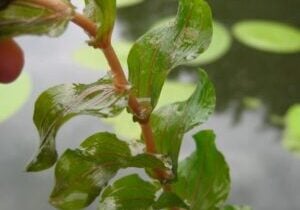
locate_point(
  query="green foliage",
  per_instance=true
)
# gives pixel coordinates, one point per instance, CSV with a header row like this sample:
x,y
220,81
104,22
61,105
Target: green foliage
x,y
200,182
171,122
161,49
82,173
128,193
23,17
103,13
268,36
203,177
59,104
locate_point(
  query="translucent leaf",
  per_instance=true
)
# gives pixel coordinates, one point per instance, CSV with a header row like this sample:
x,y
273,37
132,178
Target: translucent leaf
x,y
59,104
168,200
14,95
171,122
24,17
128,193
82,173
171,92
268,36
161,49
291,136
127,3
203,177
94,59
103,13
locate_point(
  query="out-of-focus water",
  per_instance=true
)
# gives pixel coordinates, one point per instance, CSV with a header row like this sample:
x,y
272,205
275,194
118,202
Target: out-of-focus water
x,y
264,175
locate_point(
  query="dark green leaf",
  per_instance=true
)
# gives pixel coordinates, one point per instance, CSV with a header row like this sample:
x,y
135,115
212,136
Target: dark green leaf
x,y
163,48
169,200
59,104
171,122
128,193
103,12
82,173
203,177
25,17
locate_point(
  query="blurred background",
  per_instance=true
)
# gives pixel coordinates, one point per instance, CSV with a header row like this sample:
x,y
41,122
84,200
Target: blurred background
x,y
253,61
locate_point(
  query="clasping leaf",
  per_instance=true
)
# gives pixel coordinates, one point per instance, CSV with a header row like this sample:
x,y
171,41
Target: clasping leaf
x,y
163,48
59,104
26,17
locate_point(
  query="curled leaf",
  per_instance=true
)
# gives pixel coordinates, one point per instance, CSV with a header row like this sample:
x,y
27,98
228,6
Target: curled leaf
x,y
59,104
163,48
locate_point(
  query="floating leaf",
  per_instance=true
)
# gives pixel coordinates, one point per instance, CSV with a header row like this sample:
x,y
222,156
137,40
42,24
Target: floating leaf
x,y
13,96
220,44
169,200
171,122
291,136
82,173
24,17
103,13
203,177
94,59
59,104
127,3
128,193
268,36
161,49
171,92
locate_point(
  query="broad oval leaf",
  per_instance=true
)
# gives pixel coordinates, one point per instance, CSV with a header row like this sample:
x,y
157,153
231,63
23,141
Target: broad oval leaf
x,y
25,17
171,122
268,36
103,13
59,104
169,200
291,136
82,173
203,178
14,95
161,49
128,193
127,3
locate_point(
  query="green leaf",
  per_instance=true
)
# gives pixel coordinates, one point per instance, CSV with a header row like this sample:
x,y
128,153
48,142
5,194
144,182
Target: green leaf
x,y
14,96
162,49
127,3
268,36
24,17
220,44
237,208
171,122
203,177
291,136
169,200
82,173
59,104
172,92
103,13
128,193
94,59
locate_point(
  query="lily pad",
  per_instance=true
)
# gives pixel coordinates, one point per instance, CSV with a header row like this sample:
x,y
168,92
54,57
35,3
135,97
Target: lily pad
x,y
172,92
127,3
13,96
94,59
291,136
268,36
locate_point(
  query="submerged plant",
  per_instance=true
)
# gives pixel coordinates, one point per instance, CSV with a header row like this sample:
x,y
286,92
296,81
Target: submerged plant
x,y
199,182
